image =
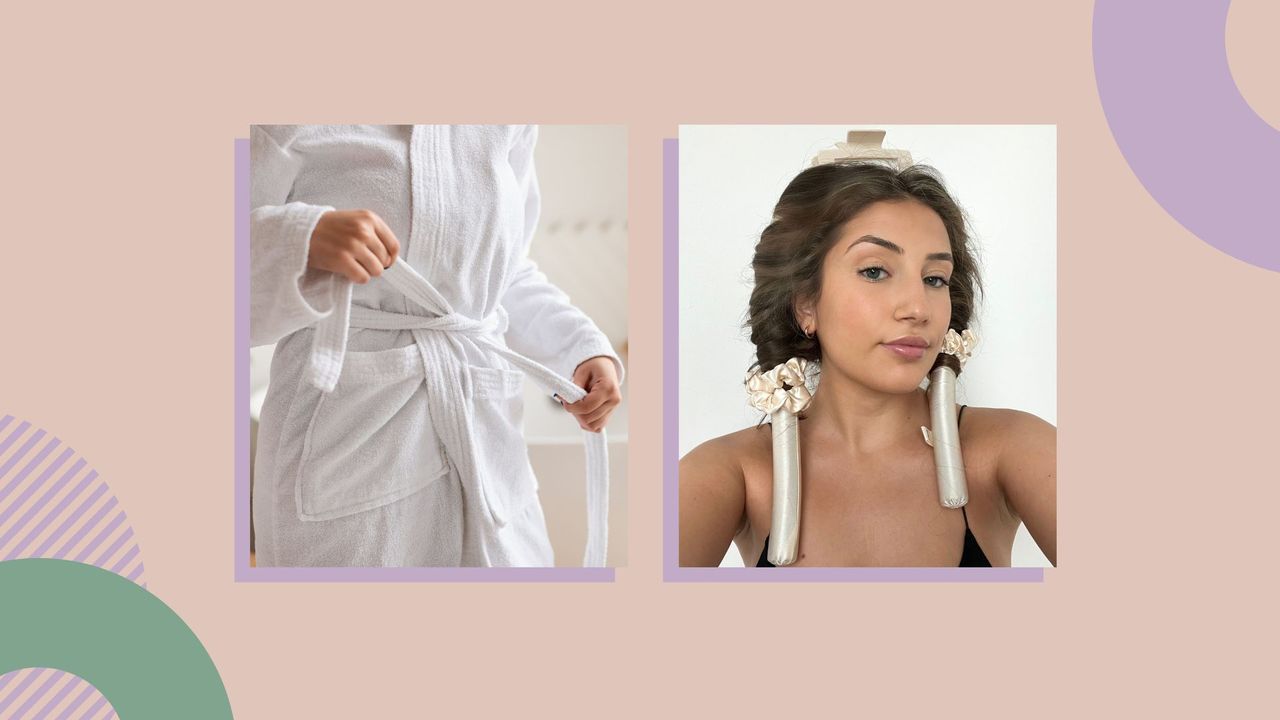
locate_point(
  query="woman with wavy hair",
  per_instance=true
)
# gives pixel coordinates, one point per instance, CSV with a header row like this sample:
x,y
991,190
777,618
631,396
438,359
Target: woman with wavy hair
x,y
865,284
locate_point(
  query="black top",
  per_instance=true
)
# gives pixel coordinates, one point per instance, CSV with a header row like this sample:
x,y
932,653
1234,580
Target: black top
x,y
971,557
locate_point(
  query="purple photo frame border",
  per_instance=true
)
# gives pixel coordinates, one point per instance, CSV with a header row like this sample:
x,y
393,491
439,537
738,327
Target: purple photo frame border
x,y
243,572
672,572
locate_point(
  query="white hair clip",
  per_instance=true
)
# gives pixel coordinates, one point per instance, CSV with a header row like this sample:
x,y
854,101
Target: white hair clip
x,y
863,145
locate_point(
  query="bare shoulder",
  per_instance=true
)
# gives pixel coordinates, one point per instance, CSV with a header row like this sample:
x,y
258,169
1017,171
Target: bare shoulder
x,y
1000,443
727,456
1022,450
1019,437
1002,429
713,495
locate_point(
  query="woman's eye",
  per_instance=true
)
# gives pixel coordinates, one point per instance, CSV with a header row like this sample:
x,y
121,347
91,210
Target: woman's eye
x,y
873,273
936,281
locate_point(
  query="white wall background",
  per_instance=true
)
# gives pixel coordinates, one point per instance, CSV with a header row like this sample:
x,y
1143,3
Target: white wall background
x,y
581,245
1003,176
581,241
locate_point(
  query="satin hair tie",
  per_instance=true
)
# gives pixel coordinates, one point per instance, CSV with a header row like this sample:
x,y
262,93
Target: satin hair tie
x,y
961,344
953,488
782,393
781,387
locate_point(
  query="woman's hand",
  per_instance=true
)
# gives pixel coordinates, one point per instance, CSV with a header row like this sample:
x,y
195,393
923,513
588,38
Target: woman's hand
x,y
356,244
599,377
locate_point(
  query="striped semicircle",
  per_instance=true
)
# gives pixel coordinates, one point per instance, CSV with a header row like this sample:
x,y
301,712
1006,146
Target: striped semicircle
x,y
53,505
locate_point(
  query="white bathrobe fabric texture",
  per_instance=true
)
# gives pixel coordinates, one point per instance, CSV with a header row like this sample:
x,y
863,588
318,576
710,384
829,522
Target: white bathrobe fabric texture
x,y
390,434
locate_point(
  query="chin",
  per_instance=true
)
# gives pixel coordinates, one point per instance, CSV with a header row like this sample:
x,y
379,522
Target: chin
x,y
898,388
890,378
900,380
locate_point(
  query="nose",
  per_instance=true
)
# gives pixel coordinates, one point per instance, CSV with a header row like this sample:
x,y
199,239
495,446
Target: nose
x,y
912,304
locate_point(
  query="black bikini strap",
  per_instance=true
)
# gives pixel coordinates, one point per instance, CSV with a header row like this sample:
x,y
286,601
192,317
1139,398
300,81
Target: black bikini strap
x,y
959,415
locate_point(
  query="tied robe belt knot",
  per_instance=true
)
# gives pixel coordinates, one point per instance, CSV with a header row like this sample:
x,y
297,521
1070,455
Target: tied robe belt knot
x,y
432,335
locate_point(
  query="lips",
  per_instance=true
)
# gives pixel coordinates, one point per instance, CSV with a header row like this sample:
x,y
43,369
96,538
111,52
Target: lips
x,y
911,347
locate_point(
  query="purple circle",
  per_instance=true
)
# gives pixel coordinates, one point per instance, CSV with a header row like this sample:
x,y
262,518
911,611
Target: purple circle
x,y
1184,128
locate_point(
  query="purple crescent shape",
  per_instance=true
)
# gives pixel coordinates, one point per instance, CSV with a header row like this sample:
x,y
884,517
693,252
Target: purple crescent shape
x,y
1184,128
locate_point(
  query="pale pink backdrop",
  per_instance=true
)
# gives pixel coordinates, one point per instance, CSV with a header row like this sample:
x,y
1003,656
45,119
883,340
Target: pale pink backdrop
x,y
117,284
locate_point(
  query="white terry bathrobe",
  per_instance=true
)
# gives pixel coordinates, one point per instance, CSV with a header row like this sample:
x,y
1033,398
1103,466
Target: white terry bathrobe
x,y
390,434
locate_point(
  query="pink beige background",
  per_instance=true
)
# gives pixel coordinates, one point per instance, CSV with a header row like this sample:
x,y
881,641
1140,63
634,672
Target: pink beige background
x,y
117,287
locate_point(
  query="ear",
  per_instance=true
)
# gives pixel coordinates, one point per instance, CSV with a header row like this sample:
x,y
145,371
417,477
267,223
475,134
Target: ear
x,y
806,315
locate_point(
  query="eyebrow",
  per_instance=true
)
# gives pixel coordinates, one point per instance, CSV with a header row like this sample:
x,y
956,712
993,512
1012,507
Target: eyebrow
x,y
895,247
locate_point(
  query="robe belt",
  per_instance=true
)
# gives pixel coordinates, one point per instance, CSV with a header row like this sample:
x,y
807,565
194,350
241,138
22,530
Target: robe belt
x,y
329,347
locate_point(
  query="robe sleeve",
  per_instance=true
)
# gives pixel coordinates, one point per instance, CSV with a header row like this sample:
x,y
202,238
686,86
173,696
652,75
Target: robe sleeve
x,y
544,326
284,295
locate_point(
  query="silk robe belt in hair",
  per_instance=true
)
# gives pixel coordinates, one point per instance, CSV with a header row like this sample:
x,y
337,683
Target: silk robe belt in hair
x,y
433,334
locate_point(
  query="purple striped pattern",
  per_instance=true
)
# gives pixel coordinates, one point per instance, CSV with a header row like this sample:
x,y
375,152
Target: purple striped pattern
x,y
53,505
48,694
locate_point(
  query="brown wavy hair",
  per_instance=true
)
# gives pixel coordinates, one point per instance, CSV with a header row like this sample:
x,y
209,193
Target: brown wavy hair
x,y
807,221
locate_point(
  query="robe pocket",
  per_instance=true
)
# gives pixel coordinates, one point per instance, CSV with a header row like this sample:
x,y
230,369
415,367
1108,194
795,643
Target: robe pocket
x,y
502,458
370,441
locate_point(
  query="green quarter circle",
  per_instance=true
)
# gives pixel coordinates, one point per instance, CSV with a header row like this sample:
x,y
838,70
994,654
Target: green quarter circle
x,y
112,633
